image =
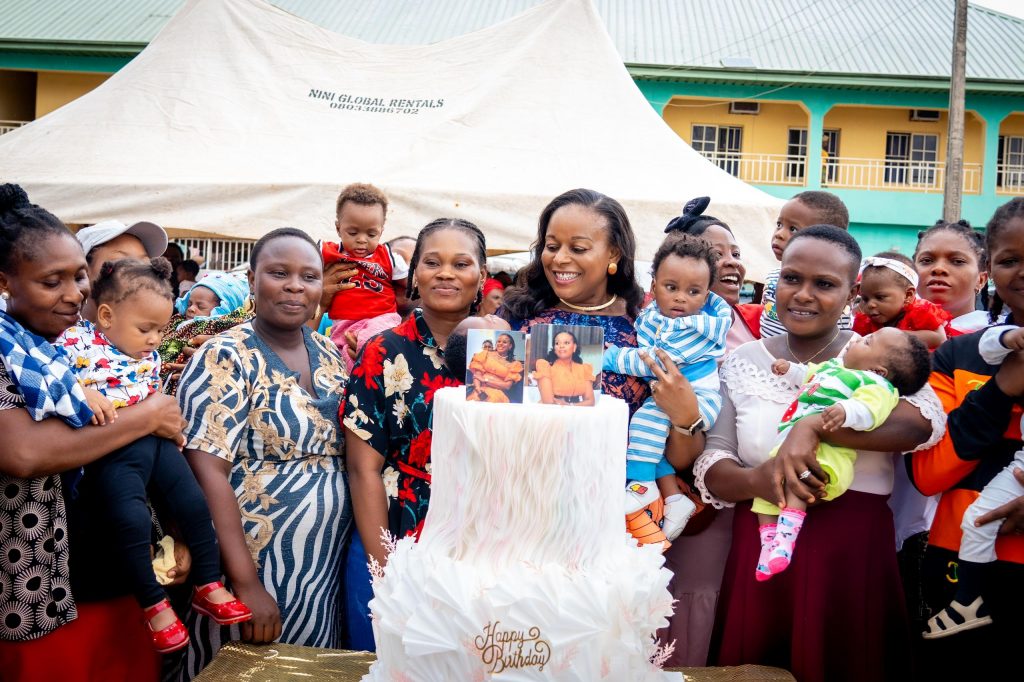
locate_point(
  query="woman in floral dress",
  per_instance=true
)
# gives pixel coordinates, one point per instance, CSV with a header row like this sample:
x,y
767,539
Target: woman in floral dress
x,y
261,401
390,395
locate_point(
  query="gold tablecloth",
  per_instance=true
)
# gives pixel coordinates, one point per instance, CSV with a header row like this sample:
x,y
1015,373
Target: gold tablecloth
x,y
239,662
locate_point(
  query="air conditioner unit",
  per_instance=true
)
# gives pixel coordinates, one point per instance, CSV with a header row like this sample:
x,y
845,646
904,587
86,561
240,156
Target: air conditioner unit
x,y
925,115
752,108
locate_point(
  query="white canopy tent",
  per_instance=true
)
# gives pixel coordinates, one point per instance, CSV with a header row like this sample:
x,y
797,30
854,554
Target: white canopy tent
x,y
239,117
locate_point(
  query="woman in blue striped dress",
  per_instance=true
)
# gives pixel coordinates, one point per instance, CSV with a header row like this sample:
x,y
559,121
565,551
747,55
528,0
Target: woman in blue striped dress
x,y
261,401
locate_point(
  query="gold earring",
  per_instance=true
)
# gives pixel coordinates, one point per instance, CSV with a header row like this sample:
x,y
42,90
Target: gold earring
x,y
613,267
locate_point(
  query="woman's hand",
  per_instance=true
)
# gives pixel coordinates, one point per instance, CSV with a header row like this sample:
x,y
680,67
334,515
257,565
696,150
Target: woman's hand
x,y
165,415
672,391
336,279
182,563
351,345
795,466
1012,512
265,625
1010,377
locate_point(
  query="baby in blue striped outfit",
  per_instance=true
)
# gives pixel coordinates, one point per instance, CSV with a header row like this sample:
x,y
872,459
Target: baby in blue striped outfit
x,y
689,323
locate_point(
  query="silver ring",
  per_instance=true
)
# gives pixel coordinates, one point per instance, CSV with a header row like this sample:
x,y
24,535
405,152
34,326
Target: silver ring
x,y
654,385
805,475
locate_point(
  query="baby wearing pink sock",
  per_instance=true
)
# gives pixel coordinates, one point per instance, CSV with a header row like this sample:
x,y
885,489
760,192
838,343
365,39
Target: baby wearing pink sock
x,y
857,391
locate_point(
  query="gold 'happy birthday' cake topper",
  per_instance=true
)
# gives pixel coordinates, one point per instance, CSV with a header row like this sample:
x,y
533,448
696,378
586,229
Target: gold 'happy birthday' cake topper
x,y
502,649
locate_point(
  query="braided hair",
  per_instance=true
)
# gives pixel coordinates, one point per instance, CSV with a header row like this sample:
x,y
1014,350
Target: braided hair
x,y
1011,210
974,240
123,278
23,227
532,293
438,225
963,229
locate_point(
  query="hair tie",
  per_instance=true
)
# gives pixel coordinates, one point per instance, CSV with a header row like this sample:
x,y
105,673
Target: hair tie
x,y
899,267
693,212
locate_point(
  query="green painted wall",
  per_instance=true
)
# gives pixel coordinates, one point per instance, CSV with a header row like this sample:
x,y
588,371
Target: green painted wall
x,y
880,220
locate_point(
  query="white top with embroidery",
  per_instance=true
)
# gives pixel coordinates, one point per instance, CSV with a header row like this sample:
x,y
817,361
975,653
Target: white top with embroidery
x,y
753,402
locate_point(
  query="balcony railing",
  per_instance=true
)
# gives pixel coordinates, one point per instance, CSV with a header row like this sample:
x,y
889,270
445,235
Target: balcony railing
x,y
892,175
761,169
849,172
1009,178
8,126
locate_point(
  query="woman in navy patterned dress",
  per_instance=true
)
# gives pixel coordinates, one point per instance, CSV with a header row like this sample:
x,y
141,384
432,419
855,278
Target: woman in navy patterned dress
x,y
261,401
582,274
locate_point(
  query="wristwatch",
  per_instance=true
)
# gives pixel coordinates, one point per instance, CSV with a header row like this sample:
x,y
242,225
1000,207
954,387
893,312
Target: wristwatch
x,y
692,428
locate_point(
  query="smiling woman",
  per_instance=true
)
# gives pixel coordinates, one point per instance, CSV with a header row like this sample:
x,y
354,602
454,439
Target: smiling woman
x,y
49,628
582,274
806,611
261,401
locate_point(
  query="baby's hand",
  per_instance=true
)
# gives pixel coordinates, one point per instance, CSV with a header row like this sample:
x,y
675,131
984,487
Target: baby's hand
x,y
781,367
833,417
1014,339
103,410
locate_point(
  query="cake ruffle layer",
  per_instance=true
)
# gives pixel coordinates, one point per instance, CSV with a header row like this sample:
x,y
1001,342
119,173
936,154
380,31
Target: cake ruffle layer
x,y
439,619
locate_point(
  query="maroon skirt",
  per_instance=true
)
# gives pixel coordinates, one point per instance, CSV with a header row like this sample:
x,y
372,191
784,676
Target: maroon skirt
x,y
837,613
108,641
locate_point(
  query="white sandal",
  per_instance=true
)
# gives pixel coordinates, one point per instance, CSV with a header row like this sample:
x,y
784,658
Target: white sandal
x,y
942,624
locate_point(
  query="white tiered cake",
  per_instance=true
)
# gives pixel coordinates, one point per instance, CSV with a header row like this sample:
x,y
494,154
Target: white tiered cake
x,y
524,570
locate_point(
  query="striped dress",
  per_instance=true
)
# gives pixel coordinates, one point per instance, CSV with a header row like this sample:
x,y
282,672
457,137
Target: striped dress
x,y
244,405
693,342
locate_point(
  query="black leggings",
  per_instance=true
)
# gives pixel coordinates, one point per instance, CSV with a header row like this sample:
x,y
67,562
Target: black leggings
x,y
120,479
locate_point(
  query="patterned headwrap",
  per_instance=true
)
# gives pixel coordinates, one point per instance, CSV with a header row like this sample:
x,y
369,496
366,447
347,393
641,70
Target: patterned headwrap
x,y
899,267
42,375
230,288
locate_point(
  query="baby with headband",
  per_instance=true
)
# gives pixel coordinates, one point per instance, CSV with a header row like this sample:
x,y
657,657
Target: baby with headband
x,y
888,298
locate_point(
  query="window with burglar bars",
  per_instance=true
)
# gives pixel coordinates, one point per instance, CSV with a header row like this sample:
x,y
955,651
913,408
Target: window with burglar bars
x,y
720,144
218,254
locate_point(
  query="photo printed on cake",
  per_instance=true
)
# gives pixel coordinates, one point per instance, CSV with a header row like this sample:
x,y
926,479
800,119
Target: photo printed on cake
x,y
495,371
564,363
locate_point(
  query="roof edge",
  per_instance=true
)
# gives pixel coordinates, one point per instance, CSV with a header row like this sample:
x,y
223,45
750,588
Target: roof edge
x,y
758,77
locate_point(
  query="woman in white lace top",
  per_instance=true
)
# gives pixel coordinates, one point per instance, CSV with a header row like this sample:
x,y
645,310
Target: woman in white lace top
x,y
840,614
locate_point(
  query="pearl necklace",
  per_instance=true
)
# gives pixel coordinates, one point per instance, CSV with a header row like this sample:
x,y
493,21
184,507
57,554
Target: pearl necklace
x,y
590,308
820,351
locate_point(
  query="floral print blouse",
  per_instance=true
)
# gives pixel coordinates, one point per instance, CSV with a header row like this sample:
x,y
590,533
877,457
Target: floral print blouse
x,y
389,403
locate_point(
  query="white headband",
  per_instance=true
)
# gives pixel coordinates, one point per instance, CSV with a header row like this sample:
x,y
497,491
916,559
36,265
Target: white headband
x,y
899,267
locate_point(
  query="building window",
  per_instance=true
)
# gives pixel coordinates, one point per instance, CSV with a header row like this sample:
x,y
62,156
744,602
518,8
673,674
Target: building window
x,y
721,144
924,157
830,155
796,154
911,158
1010,162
